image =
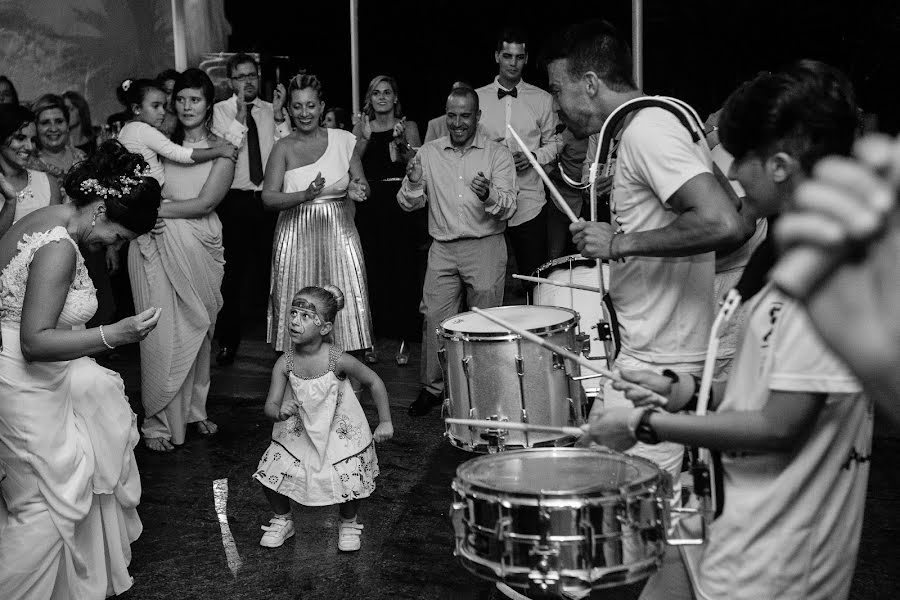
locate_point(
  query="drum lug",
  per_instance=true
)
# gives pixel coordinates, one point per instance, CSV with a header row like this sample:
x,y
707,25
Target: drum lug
x,y
520,366
604,331
544,575
588,532
442,360
496,438
458,519
585,340
466,368
559,362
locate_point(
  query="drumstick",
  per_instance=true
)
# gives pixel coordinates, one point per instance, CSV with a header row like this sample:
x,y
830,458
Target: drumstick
x,y
660,400
486,424
540,171
564,284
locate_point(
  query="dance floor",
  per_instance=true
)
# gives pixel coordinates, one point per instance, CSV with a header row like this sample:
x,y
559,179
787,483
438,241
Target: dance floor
x,y
407,542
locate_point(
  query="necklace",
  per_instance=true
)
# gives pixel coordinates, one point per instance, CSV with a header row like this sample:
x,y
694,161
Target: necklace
x,y
198,140
26,193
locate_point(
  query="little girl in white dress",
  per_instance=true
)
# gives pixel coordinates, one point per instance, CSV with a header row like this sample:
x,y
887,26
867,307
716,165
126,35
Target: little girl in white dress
x,y
322,449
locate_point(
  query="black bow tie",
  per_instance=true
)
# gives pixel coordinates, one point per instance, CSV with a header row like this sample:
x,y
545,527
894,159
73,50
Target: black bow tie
x,y
501,92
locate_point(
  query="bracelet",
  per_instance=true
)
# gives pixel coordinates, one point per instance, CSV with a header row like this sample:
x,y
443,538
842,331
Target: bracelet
x,y
103,338
695,397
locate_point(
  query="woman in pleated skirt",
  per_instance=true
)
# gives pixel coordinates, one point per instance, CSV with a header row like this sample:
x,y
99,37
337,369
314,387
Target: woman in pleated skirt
x,y
310,176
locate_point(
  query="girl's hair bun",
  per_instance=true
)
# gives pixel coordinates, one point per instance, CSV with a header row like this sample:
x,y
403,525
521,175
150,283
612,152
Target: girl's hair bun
x,y
337,293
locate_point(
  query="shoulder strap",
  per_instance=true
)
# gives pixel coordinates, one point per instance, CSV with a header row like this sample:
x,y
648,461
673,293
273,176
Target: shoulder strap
x,y
289,354
333,356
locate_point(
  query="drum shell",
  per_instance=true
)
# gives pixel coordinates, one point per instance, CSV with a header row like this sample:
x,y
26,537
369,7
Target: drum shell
x,y
582,540
481,373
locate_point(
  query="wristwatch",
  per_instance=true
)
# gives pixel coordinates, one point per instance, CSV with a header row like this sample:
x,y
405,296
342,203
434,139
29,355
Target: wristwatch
x,y
644,431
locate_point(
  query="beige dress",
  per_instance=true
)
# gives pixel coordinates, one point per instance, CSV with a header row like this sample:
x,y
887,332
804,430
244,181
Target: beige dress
x,y
179,270
325,455
68,478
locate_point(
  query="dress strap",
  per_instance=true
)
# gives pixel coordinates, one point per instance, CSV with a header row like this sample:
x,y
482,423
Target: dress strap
x,y
289,368
333,356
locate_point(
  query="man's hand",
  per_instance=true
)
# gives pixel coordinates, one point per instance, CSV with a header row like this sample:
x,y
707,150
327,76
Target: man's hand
x,y
278,98
521,161
611,428
649,382
481,185
593,239
241,103
414,169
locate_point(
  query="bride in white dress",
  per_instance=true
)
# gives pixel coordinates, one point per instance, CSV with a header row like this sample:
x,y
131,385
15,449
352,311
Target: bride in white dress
x,y
69,485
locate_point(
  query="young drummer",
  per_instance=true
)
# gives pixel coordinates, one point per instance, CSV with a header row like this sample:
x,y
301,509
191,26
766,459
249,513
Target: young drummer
x,y
793,425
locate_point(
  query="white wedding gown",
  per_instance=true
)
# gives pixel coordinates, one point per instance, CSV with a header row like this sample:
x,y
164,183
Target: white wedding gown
x,y
69,484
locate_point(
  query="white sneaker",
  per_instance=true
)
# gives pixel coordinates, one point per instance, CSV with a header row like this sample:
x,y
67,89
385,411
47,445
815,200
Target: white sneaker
x,y
349,533
278,530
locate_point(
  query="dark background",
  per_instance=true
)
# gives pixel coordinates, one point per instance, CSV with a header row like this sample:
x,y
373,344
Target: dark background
x,y
698,50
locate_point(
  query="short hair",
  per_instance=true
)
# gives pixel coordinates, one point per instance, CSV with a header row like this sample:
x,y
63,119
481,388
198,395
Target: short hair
x,y
12,118
593,46
368,109
239,59
512,34
190,79
112,166
47,102
304,80
167,74
84,112
807,109
12,88
465,92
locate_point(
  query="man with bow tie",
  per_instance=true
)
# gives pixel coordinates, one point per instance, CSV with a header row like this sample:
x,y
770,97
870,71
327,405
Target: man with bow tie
x,y
529,109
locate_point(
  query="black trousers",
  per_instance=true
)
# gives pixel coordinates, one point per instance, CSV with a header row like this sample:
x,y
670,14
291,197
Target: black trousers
x,y
529,242
247,232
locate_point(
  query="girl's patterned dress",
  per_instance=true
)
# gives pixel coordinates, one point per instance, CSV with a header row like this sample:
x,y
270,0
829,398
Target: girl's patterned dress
x,y
326,454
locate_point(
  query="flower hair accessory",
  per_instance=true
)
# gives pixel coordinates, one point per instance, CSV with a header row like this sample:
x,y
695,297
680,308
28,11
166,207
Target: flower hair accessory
x,y
126,84
126,183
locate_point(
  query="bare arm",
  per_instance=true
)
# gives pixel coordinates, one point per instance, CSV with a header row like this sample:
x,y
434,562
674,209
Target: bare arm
x,y
55,194
211,194
7,215
49,278
347,365
277,387
272,196
706,221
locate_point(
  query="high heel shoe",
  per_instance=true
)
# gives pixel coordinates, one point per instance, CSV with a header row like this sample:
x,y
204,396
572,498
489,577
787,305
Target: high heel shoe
x,y
402,357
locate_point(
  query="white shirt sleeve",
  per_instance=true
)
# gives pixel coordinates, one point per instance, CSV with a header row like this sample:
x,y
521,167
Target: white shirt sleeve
x,y
801,362
226,126
662,152
164,147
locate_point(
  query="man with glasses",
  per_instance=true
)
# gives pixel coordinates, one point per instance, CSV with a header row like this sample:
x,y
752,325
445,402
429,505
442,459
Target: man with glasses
x,y
253,125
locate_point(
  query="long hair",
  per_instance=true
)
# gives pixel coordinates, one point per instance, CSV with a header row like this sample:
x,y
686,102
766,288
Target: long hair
x,y
12,88
84,112
193,79
368,109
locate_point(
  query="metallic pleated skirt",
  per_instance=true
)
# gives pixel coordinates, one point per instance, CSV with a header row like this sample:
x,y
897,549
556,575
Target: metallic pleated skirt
x,y
316,243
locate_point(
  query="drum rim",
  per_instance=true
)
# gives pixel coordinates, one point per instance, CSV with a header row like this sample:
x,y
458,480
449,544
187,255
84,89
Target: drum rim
x,y
570,258
507,336
463,485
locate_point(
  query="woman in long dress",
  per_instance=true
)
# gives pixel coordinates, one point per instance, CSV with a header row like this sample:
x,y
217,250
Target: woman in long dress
x,y
179,268
309,176
68,479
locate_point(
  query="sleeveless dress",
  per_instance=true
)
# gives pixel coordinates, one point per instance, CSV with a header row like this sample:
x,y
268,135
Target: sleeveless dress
x,y
316,243
35,194
179,270
325,455
68,478
394,242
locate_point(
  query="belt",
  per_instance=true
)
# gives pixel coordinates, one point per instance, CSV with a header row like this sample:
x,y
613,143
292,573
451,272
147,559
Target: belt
x,y
255,194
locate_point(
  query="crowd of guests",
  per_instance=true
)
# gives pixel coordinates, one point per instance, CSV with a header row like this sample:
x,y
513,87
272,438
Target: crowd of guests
x,y
348,236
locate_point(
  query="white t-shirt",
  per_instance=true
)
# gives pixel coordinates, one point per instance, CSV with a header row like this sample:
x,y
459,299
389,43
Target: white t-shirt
x,y
665,305
791,522
151,143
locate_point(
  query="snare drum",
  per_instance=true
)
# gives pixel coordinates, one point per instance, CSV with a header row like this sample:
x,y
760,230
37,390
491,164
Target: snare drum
x,y
491,373
560,521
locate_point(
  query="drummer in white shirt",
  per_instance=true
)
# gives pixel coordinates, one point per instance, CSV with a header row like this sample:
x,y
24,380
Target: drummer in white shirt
x,y
793,425
669,214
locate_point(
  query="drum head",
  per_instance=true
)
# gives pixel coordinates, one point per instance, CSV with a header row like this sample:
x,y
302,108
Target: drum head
x,y
570,261
558,472
536,319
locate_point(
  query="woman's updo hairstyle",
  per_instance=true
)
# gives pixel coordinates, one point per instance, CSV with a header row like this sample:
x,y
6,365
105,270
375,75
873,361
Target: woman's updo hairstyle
x,y
329,297
304,80
116,176
132,91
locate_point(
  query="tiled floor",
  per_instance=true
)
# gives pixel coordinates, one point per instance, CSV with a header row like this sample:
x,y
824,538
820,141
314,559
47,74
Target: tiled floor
x,y
407,541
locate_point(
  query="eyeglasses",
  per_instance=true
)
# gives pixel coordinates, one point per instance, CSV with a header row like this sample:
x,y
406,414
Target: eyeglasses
x,y
246,77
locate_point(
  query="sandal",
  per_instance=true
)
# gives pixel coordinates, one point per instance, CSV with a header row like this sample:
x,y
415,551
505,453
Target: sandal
x,y
206,427
158,444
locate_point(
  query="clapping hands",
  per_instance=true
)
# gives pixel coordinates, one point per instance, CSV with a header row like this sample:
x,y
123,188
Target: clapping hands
x,y
481,186
414,169
315,188
356,191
